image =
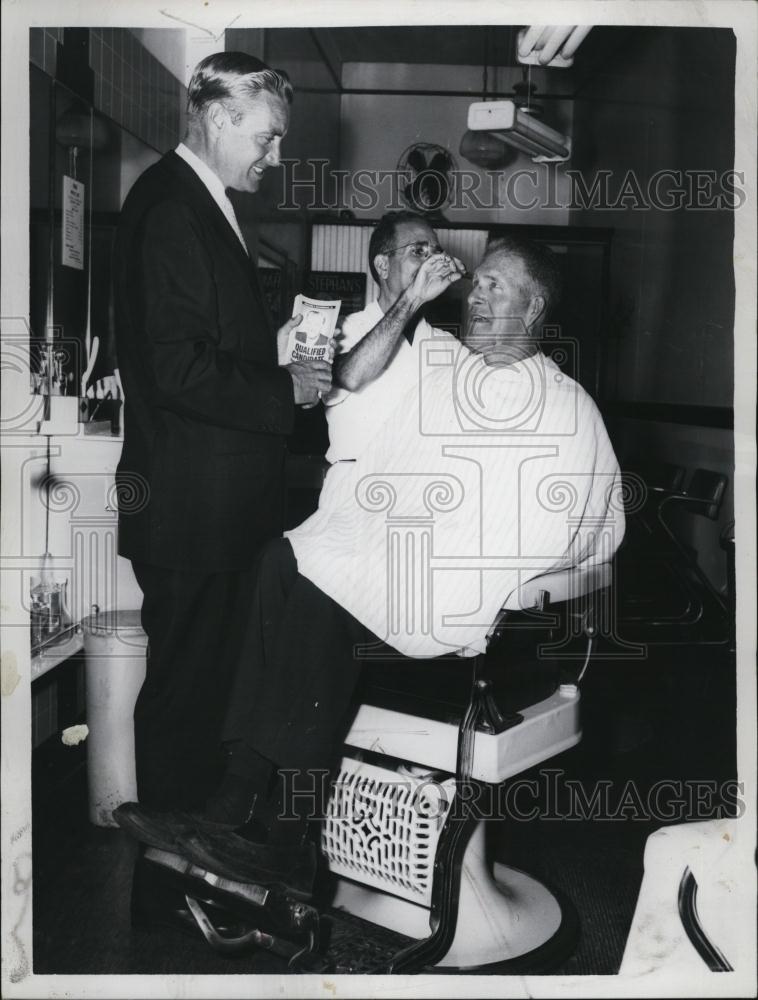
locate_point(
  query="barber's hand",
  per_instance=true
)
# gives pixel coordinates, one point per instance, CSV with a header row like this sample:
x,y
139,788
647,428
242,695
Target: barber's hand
x,y
435,275
311,381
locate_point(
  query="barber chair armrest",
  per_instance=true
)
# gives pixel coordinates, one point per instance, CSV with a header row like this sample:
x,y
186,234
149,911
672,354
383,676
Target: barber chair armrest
x,y
559,587
562,585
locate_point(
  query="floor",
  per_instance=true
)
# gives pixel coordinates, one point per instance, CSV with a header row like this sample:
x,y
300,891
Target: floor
x,y
671,717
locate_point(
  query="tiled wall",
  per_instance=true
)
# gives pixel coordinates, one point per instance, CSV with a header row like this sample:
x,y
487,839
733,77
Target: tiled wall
x,y
131,86
43,50
134,89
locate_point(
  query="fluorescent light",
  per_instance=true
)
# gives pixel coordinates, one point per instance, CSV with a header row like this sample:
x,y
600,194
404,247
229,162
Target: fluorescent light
x,y
519,129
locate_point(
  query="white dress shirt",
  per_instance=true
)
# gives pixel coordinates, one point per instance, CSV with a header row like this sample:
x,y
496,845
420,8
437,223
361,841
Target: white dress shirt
x,y
216,188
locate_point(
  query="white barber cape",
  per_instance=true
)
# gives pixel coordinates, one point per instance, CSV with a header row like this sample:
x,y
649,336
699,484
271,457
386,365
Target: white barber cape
x,y
480,480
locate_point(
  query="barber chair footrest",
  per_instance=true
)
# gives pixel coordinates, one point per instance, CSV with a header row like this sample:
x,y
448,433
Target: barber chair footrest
x,y
169,891
235,918
357,946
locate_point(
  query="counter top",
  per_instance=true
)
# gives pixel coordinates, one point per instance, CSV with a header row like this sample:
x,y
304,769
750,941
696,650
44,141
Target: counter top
x,y
56,651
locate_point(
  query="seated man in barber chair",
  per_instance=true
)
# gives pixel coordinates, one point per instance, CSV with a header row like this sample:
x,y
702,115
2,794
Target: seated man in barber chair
x,y
502,467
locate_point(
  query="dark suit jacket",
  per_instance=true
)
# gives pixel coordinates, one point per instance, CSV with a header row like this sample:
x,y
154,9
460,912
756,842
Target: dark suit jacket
x,y
201,472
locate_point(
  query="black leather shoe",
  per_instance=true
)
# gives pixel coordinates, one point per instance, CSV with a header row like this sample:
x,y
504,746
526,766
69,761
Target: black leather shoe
x,y
161,828
291,869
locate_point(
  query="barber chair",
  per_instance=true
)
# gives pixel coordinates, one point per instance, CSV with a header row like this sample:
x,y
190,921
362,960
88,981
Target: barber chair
x,y
405,827
404,831
667,596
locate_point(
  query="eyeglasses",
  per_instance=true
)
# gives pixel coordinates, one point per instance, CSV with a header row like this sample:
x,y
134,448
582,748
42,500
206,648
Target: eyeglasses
x,y
419,248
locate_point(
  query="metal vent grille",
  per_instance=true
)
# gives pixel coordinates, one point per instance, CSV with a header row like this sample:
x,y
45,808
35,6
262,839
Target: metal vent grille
x,y
382,827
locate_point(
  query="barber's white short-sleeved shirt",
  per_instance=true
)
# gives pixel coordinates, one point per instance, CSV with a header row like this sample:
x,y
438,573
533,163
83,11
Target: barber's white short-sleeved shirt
x,y
355,417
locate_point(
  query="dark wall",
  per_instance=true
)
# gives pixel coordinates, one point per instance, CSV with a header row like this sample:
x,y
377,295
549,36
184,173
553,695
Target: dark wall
x,y
663,99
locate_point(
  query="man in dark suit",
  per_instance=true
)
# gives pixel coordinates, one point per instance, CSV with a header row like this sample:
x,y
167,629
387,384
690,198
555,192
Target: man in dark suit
x,y
206,415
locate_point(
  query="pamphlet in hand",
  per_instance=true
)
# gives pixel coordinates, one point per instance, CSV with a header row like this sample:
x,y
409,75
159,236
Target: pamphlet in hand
x,y
309,340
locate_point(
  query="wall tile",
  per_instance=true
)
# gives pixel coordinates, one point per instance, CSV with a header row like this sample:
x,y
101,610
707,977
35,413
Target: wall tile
x,y
37,47
107,63
127,87
49,63
130,85
107,105
153,88
96,53
118,72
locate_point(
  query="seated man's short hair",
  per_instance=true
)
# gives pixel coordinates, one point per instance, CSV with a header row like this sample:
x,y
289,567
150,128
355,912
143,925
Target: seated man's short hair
x,y
538,259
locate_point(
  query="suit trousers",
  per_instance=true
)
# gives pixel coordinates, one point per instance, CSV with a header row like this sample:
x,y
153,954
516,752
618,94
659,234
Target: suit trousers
x,y
291,699
196,626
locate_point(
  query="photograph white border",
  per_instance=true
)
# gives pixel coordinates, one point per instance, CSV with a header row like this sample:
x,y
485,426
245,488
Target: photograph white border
x,y
213,17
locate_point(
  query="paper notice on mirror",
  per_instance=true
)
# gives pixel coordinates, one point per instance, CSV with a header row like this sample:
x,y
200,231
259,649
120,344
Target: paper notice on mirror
x,y
309,340
72,250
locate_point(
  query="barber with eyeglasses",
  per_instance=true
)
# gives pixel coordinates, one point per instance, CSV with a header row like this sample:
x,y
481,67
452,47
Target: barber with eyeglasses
x,y
378,351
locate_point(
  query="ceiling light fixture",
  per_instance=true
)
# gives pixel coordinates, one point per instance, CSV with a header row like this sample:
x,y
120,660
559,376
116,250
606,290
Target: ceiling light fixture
x,y
516,127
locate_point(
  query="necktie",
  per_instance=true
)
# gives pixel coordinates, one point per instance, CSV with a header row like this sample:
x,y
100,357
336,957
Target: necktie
x,y
232,218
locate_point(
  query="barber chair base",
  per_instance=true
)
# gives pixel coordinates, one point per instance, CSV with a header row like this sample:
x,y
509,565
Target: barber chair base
x,y
506,918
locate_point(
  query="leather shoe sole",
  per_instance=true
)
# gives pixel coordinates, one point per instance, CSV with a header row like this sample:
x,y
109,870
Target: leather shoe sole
x,y
161,829
288,869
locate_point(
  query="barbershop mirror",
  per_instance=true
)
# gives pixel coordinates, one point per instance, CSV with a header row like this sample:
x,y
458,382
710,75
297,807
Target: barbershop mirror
x,y
62,137
79,172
